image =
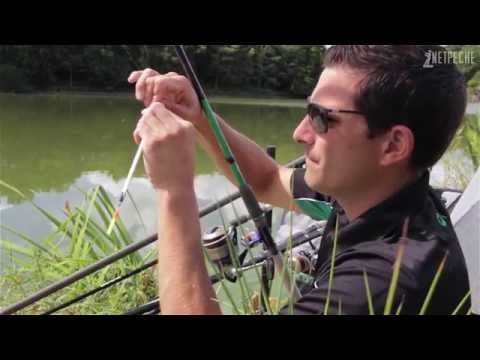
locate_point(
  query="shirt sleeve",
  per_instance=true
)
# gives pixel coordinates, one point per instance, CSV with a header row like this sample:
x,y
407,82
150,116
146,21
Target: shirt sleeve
x,y
313,204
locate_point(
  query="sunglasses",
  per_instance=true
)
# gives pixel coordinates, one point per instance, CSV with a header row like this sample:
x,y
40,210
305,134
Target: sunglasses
x,y
320,116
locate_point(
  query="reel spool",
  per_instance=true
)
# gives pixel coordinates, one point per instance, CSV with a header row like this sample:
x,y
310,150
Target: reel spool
x,y
216,246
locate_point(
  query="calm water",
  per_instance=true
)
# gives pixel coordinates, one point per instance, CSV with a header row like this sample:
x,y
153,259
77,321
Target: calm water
x,y
52,145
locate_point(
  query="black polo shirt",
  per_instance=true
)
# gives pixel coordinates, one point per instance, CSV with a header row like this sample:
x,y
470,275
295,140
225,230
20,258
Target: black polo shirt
x,y
370,243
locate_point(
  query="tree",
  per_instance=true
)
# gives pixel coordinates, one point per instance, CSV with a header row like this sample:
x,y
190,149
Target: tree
x,y
470,68
289,69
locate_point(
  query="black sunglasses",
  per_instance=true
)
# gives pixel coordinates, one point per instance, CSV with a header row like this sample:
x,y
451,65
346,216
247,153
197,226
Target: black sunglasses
x,y
320,116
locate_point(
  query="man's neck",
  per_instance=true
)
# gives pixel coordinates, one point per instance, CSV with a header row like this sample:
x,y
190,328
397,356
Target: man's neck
x,y
358,202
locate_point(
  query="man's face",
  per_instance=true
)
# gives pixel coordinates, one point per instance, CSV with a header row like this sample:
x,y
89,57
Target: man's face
x,y
343,160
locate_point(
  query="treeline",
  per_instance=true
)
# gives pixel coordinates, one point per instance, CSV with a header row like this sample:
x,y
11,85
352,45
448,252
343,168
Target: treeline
x,y
288,69
277,69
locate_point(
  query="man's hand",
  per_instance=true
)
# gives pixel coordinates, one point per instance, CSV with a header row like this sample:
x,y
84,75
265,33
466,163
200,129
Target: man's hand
x,y
173,90
168,148
270,182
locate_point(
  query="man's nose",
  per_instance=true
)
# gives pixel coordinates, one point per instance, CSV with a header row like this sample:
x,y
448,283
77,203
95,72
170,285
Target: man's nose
x,y
304,133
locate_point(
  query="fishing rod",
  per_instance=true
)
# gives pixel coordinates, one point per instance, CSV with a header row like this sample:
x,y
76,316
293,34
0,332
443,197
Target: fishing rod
x,y
266,275
129,249
246,192
302,262
153,306
102,287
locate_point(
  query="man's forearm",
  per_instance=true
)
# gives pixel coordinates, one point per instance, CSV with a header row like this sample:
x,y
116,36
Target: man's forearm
x,y
183,282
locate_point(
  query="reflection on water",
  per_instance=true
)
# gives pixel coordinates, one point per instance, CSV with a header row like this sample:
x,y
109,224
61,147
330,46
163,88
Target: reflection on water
x,y
48,142
208,188
52,145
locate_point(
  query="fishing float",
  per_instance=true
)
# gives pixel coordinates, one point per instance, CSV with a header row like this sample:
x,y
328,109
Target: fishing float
x,y
123,194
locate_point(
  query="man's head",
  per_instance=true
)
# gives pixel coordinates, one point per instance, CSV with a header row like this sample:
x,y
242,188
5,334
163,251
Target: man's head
x,y
407,115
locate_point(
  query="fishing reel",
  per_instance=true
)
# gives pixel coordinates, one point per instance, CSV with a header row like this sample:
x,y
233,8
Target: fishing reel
x,y
218,244
302,265
299,261
215,243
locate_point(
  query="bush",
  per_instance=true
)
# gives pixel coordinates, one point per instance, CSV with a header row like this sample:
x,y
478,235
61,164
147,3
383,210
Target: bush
x,y
12,79
474,87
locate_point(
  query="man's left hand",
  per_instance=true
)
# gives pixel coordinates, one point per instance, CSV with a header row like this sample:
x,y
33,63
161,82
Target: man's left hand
x,y
168,148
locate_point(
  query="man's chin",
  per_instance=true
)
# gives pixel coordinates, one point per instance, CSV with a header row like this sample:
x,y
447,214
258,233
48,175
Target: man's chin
x,y
316,183
312,182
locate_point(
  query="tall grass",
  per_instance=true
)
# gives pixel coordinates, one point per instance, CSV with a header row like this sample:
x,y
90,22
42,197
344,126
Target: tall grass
x,y
78,239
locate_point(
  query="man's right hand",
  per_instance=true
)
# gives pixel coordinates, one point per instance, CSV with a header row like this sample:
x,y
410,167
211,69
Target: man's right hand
x,y
173,90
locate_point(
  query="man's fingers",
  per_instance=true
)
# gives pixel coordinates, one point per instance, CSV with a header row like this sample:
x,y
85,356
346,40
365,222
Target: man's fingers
x,y
157,122
142,128
167,119
171,73
148,92
136,137
141,83
168,89
161,113
159,118
136,134
134,76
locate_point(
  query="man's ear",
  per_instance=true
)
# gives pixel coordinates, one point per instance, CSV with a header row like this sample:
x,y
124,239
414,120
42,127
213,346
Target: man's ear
x,y
397,145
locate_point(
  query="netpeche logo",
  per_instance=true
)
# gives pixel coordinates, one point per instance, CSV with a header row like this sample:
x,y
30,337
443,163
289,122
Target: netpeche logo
x,y
445,57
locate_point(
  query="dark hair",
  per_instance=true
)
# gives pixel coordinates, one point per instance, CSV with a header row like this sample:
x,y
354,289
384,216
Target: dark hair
x,y
398,89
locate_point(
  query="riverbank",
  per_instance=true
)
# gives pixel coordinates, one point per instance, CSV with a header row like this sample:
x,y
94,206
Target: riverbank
x,y
255,97
219,97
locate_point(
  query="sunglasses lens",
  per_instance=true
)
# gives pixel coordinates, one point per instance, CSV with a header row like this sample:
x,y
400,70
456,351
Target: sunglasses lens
x,y
318,118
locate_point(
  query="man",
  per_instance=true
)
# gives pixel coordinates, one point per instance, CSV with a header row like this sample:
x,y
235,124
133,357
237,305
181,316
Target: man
x,y
377,120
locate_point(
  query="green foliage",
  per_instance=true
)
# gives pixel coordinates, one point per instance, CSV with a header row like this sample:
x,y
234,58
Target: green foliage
x,y
473,87
468,138
288,69
471,70
76,241
12,78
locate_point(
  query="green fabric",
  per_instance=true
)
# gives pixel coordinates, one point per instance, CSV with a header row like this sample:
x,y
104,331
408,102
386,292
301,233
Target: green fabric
x,y
316,209
442,220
